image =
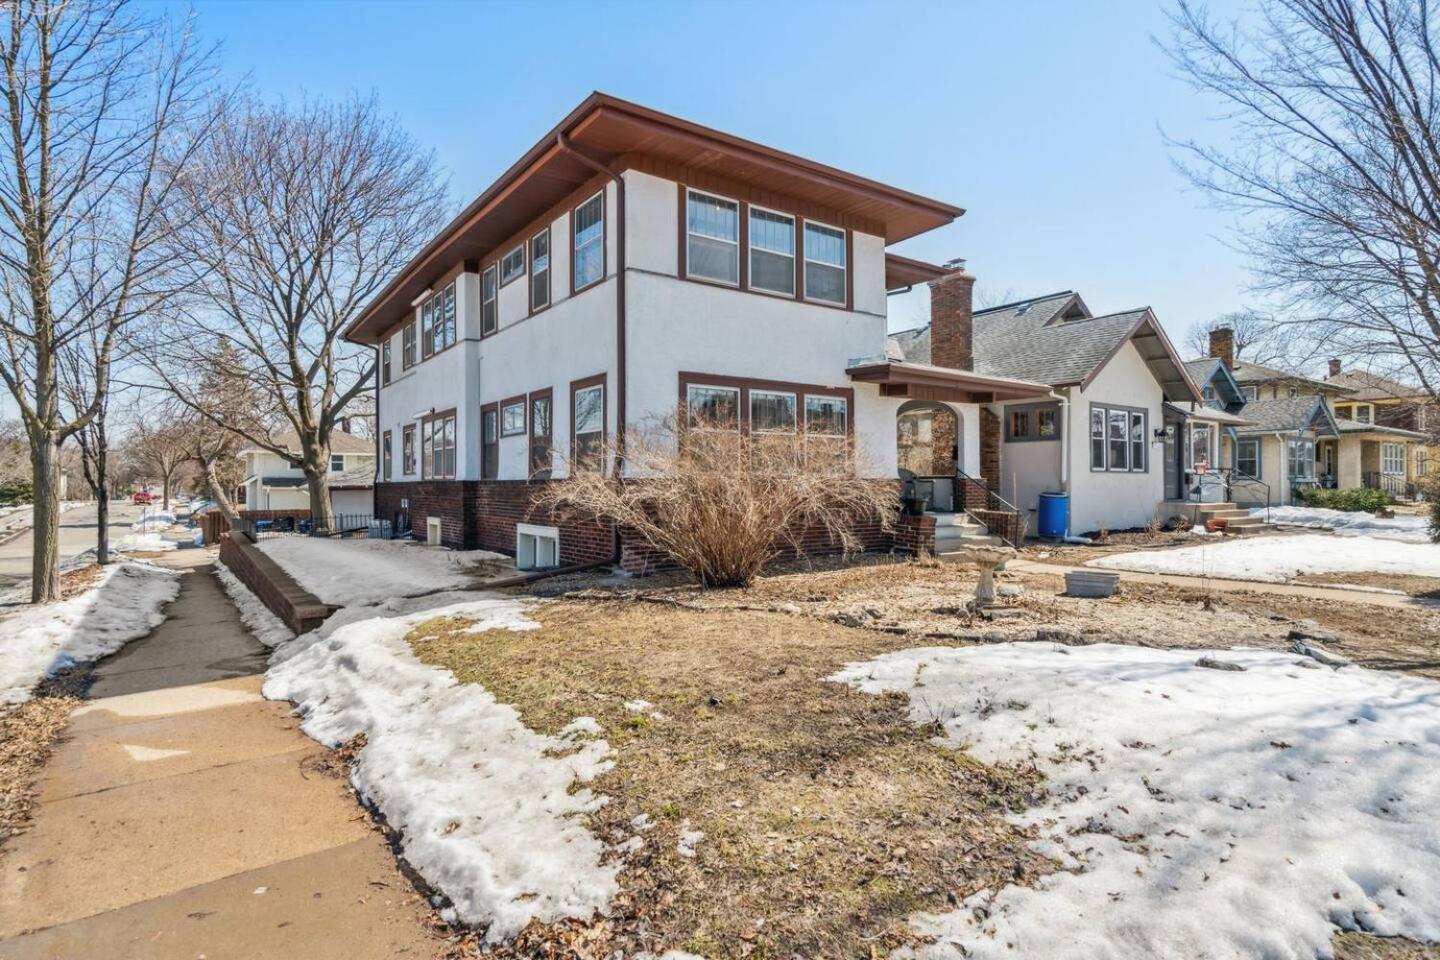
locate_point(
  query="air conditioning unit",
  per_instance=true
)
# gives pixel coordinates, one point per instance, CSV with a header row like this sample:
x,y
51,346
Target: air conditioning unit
x,y
432,531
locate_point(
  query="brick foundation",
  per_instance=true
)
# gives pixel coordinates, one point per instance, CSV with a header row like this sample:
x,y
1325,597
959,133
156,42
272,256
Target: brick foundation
x,y
213,524
482,514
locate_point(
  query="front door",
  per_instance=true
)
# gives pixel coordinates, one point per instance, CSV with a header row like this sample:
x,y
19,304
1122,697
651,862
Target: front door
x,y
1174,452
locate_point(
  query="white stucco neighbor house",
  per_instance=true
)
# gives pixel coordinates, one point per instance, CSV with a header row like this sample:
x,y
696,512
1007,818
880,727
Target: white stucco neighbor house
x,y
271,483
631,263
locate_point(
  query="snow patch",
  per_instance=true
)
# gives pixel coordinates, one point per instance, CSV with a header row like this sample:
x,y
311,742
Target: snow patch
x,y
1193,812
363,571
488,810
262,624
1276,559
1407,527
124,604
689,839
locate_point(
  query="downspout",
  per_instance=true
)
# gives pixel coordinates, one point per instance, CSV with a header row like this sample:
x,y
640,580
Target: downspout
x,y
563,142
1065,431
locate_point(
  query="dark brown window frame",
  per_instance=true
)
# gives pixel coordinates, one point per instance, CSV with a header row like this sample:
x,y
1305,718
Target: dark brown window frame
x,y
684,190
744,385
427,343
409,344
523,401
549,272
426,428
604,241
407,451
385,362
495,268
386,456
548,395
489,470
585,383
524,265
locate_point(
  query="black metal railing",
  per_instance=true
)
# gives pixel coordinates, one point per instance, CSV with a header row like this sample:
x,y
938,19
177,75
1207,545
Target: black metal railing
x,y
1244,481
342,525
982,504
1394,485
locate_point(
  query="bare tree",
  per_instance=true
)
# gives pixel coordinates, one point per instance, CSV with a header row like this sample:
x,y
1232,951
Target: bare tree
x,y
1334,106
1259,338
295,217
161,451
98,111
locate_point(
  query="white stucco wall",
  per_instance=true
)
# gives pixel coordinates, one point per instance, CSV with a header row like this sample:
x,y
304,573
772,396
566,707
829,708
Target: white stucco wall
x,y
1115,501
1028,468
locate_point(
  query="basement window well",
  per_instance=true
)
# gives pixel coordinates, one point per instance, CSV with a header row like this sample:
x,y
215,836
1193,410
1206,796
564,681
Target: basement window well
x,y
536,547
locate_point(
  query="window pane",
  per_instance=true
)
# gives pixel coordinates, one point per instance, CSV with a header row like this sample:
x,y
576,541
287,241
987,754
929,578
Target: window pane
x,y
825,416
824,283
1119,449
512,419
1097,438
826,454
825,245
589,234
771,411
513,265
772,231
1019,424
540,271
713,260
1199,447
490,425
540,417
1137,440
713,407
712,217
590,410
771,271
1046,422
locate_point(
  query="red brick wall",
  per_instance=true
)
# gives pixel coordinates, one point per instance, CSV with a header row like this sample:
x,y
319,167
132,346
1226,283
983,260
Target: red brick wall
x,y
952,321
213,524
915,535
301,610
990,448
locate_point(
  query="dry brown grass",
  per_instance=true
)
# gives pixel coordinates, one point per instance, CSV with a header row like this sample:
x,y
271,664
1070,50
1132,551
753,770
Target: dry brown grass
x,y
829,817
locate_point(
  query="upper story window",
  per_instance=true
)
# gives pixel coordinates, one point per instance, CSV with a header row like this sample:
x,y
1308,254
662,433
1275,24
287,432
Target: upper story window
x,y
1250,393
489,314
512,265
824,263
712,245
337,463
437,322
1363,412
540,270
772,252
407,346
588,224
385,362
1292,391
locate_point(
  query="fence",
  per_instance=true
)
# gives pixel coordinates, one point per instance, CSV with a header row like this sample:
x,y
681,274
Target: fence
x,y
343,525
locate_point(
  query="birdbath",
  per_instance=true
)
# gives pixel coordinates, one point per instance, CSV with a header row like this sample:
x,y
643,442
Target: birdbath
x,y
987,558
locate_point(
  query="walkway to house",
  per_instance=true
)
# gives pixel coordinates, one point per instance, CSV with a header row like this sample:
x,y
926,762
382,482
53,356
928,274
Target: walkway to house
x,y
185,816
1341,594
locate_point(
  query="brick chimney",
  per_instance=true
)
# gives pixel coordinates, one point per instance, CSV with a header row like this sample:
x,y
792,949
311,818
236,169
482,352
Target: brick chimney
x,y
344,424
1334,367
952,318
1222,345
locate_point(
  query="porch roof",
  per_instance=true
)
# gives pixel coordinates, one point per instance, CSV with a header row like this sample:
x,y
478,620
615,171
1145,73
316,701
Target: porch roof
x,y
1209,414
1352,428
920,381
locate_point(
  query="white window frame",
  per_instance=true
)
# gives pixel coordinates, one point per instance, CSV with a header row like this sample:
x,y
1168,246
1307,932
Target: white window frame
x,y
794,410
1250,393
689,273
341,458
1241,444
751,248
1131,445
1290,460
844,269
508,278
575,245
1392,455
739,411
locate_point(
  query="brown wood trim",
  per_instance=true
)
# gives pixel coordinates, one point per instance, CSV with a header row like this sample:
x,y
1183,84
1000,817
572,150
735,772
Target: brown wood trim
x,y
426,421
521,399
480,299
598,380
849,267
746,384
850,270
742,251
484,409
683,233
408,431
604,195
549,437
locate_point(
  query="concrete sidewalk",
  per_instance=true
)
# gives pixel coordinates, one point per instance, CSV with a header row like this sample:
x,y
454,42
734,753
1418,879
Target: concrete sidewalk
x,y
186,816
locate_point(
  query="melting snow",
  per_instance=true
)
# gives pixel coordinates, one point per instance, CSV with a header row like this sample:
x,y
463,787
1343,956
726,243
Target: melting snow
x,y
262,624
1194,812
1409,527
362,571
1280,558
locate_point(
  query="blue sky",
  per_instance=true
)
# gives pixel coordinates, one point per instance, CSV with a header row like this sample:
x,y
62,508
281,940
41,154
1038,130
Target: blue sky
x,y
1041,119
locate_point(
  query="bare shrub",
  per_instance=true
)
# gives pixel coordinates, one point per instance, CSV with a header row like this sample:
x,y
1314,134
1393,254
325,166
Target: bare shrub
x,y
722,503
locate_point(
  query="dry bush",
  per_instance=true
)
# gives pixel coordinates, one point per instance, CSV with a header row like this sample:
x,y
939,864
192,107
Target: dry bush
x,y
722,503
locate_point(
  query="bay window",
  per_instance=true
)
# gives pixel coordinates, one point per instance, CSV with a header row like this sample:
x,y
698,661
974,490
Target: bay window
x,y
825,264
772,252
588,225
712,238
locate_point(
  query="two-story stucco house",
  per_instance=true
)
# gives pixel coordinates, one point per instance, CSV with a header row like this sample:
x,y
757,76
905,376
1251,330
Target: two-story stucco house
x,y
271,483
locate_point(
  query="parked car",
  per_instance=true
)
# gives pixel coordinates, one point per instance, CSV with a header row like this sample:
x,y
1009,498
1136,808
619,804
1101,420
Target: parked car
x,y
141,497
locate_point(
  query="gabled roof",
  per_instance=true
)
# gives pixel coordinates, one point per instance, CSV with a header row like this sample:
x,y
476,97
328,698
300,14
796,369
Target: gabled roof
x,y
618,134
1253,373
1209,370
1055,340
1373,386
1289,415
340,442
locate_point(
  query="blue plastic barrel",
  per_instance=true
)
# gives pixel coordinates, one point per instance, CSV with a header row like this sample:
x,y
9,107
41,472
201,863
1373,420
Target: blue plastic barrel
x,y
1054,514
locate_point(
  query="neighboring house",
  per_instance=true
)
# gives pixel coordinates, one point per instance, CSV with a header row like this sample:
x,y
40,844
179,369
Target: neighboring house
x,y
271,483
1394,414
629,264
1297,435
1097,433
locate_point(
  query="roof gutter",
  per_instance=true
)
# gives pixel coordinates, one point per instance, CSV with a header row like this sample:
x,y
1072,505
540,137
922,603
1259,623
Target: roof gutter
x,y
563,142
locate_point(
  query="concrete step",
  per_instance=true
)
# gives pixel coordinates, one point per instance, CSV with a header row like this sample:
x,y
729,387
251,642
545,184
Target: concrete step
x,y
1208,508
1236,514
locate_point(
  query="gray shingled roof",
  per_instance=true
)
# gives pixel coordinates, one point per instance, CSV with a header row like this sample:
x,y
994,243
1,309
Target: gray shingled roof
x,y
1258,373
1064,352
1373,386
1355,426
1282,415
1202,370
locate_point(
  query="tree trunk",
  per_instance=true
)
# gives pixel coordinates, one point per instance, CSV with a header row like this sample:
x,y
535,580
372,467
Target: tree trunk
x,y
217,493
102,494
322,514
165,491
45,555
